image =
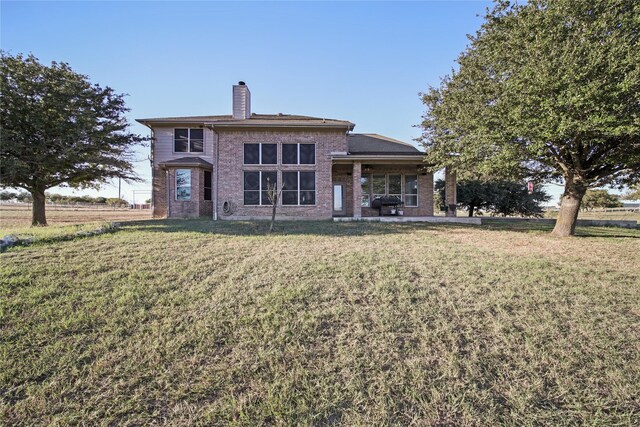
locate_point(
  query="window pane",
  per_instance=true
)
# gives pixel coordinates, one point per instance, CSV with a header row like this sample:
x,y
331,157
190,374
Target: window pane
x,y
289,197
197,145
207,185
307,180
290,180
411,184
197,140
181,140
252,181
290,154
269,178
395,184
307,197
251,154
183,184
410,200
365,185
269,154
307,154
197,133
251,197
183,193
378,184
337,197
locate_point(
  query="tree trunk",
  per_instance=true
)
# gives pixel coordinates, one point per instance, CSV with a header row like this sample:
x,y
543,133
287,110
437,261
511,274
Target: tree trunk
x,y
273,214
569,208
38,217
471,208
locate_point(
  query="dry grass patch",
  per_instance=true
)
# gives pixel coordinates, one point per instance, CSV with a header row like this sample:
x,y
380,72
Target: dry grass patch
x,y
195,322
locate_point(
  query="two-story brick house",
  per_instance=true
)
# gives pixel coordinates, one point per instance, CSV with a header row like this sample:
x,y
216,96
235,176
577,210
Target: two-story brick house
x,y
220,166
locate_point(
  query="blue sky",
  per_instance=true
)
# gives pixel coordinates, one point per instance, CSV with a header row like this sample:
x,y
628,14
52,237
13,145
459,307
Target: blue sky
x,y
361,61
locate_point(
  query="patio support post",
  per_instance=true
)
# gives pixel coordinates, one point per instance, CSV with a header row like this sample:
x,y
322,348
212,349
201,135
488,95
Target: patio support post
x,y
357,190
450,196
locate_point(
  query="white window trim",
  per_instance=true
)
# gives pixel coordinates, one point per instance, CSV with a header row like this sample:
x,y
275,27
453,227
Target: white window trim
x,y
315,189
259,144
315,155
176,185
204,140
404,190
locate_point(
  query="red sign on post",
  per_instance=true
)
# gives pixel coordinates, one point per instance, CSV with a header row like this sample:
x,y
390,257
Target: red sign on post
x,y
530,187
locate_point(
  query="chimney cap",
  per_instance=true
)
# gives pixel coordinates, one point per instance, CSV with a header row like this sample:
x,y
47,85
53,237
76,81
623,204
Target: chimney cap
x,y
241,83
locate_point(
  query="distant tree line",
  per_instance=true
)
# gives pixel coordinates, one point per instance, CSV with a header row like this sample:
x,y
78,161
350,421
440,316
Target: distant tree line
x,y
25,197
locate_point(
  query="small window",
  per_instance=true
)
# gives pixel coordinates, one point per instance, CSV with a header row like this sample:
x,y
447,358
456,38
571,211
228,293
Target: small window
x,y
298,154
411,190
365,185
299,188
256,186
260,154
188,140
183,184
207,185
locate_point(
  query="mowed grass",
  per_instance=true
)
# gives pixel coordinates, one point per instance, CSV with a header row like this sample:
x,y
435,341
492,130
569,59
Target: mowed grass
x,y
202,323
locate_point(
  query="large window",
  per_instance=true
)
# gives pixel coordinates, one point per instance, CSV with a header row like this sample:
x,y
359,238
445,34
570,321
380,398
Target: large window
x,y
183,184
256,185
207,185
411,190
299,188
405,187
188,140
260,154
298,154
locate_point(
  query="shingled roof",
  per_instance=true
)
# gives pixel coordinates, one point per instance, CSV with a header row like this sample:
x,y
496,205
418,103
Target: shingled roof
x,y
277,120
374,144
188,161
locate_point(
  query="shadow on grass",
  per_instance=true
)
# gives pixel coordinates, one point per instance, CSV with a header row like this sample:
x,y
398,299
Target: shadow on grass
x,y
539,227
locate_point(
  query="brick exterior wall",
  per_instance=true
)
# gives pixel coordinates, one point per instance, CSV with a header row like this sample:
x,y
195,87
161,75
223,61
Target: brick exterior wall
x,y
195,207
231,171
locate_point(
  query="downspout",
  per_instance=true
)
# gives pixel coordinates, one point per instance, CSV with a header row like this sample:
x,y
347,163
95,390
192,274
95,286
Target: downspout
x,y
216,162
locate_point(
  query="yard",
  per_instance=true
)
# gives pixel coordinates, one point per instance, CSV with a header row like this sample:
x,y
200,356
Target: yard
x,y
196,322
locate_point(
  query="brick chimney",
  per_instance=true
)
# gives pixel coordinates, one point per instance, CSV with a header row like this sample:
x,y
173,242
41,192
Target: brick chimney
x,y
241,101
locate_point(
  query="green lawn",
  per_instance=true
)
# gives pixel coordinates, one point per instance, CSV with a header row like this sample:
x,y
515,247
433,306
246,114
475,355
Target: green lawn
x,y
196,322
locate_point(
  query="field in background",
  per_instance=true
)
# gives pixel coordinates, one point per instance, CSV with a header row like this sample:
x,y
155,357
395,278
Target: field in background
x,y
216,323
18,217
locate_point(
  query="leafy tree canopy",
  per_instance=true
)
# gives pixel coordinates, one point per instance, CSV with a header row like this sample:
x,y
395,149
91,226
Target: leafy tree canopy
x,y
600,199
632,194
506,198
58,128
546,90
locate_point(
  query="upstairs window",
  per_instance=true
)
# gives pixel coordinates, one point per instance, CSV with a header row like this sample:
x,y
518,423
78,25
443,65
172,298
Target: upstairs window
x,y
260,154
188,140
298,154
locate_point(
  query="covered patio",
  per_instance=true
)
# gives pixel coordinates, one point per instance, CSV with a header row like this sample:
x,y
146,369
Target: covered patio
x,y
378,168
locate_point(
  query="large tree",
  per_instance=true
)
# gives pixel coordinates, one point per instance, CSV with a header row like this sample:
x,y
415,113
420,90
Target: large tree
x,y
549,90
58,128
